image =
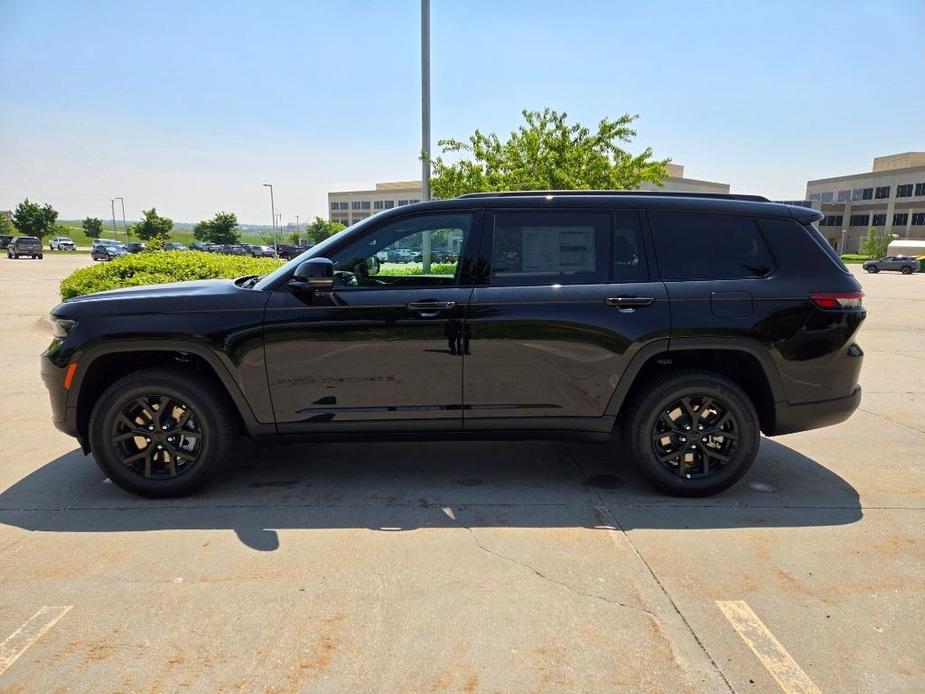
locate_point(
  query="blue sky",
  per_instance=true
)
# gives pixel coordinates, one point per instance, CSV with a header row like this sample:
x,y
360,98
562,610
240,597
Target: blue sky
x,y
190,106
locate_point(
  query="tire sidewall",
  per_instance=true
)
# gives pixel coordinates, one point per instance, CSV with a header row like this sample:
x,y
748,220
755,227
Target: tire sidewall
x,y
107,409
659,399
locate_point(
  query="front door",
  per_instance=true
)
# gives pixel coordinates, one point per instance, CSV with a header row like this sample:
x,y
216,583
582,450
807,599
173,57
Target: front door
x,y
567,303
384,348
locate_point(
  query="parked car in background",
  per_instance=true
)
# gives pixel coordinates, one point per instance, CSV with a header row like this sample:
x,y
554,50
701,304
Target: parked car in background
x,y
233,249
197,246
905,264
674,329
107,242
107,252
400,255
262,252
62,243
288,252
24,245
135,247
5,240
172,246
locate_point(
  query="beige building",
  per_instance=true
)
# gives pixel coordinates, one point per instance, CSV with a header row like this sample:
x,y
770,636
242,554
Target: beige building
x,y
890,198
351,206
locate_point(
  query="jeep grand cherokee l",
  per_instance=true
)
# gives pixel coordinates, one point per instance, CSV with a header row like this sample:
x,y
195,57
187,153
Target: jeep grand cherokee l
x,y
693,322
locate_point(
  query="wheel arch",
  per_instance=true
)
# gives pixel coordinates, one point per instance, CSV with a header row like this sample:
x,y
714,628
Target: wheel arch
x,y
743,361
102,365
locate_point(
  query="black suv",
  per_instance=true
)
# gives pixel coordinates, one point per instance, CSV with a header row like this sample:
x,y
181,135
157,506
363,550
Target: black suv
x,y
687,323
24,245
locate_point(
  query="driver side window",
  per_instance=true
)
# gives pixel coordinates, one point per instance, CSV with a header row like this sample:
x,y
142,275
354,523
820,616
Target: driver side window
x,y
420,251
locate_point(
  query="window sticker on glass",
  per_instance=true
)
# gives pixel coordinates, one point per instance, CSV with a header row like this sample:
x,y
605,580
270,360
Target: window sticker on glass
x,y
558,249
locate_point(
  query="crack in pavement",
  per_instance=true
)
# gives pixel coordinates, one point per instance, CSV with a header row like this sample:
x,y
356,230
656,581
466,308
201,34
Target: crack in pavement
x,y
540,574
604,508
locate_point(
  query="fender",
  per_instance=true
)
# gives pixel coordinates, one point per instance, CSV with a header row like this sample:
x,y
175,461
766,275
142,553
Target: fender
x,y
86,358
675,345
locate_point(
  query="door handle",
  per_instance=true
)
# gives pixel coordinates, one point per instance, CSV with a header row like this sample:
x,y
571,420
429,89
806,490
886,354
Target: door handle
x,y
431,305
629,301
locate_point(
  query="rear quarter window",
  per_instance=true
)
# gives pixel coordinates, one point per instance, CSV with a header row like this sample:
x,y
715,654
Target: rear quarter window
x,y
693,246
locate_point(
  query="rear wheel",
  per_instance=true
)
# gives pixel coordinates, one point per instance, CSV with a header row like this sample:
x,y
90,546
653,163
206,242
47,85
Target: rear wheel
x,y
693,433
157,433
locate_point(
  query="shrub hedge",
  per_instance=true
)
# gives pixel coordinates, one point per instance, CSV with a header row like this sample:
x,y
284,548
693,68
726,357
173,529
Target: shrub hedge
x,y
161,268
851,258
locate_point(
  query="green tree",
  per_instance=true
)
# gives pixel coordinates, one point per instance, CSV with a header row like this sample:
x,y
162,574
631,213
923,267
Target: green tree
x,y
875,244
294,238
222,228
152,226
93,226
6,226
320,229
32,219
547,153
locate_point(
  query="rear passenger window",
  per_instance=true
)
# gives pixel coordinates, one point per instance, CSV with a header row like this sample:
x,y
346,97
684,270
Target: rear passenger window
x,y
709,247
531,248
629,257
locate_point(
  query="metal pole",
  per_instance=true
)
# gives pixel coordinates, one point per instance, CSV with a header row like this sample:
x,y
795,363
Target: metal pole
x,y
112,203
425,122
273,212
844,241
124,225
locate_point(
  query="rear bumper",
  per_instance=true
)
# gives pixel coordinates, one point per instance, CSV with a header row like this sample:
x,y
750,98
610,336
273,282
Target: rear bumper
x,y
813,415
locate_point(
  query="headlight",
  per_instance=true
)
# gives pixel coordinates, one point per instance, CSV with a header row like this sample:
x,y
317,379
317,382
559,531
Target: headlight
x,y
61,327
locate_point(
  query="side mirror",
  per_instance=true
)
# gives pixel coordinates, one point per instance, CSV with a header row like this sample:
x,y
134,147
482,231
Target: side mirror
x,y
314,273
373,265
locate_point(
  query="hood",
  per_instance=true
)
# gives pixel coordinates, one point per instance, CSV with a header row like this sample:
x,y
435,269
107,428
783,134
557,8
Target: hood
x,y
178,290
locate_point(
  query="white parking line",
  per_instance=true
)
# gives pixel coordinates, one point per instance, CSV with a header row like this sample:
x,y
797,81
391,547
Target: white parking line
x,y
19,641
769,650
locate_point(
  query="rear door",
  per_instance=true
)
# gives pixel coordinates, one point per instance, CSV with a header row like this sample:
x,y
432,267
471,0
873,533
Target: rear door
x,y
566,302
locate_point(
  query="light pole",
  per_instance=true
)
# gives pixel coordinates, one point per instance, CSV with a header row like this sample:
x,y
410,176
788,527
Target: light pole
x,y
112,204
273,212
425,123
124,225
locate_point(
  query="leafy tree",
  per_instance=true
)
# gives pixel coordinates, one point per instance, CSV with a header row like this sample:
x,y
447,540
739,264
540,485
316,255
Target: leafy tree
x,y
294,238
320,229
222,228
32,219
6,226
875,244
93,226
547,153
152,226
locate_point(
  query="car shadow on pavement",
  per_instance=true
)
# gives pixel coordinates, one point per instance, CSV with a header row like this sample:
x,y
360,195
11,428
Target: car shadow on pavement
x,y
394,487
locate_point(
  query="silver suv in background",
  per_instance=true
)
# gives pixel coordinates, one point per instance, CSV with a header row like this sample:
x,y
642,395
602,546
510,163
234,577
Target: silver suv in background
x,y
62,243
905,264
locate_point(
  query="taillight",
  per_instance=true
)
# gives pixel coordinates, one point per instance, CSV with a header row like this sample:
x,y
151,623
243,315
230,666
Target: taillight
x,y
830,300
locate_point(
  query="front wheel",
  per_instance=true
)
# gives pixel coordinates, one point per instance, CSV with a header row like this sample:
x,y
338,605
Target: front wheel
x,y
159,433
907,270
873,270
693,433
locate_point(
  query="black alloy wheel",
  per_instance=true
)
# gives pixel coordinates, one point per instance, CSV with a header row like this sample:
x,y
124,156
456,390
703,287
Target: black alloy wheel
x,y
162,432
692,433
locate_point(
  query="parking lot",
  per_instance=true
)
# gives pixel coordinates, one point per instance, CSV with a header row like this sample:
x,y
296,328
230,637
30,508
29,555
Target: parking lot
x,y
468,566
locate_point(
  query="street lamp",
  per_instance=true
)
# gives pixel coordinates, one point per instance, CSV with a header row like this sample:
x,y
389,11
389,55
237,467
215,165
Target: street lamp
x,y
273,212
425,123
124,225
112,204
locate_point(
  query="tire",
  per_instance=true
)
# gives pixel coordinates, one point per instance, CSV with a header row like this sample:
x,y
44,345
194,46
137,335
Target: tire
x,y
705,473
208,410
907,270
873,270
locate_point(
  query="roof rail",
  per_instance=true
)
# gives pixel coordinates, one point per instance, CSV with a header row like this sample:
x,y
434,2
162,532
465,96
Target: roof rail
x,y
641,193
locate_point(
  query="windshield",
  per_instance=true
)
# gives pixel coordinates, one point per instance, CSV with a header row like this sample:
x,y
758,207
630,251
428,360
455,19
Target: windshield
x,y
316,251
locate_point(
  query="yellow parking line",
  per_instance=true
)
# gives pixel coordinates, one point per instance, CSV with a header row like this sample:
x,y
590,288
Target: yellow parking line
x,y
19,641
769,650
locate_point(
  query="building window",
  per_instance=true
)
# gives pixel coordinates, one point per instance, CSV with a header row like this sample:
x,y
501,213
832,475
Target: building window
x,y
859,220
360,204
900,219
378,204
868,194
843,195
920,188
815,196
389,204
414,201
338,206
862,194
827,197
904,191
879,220
832,221
883,192
402,202
918,219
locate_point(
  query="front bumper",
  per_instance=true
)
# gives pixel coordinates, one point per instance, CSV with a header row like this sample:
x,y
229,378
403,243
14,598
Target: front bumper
x,y
64,418
814,415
